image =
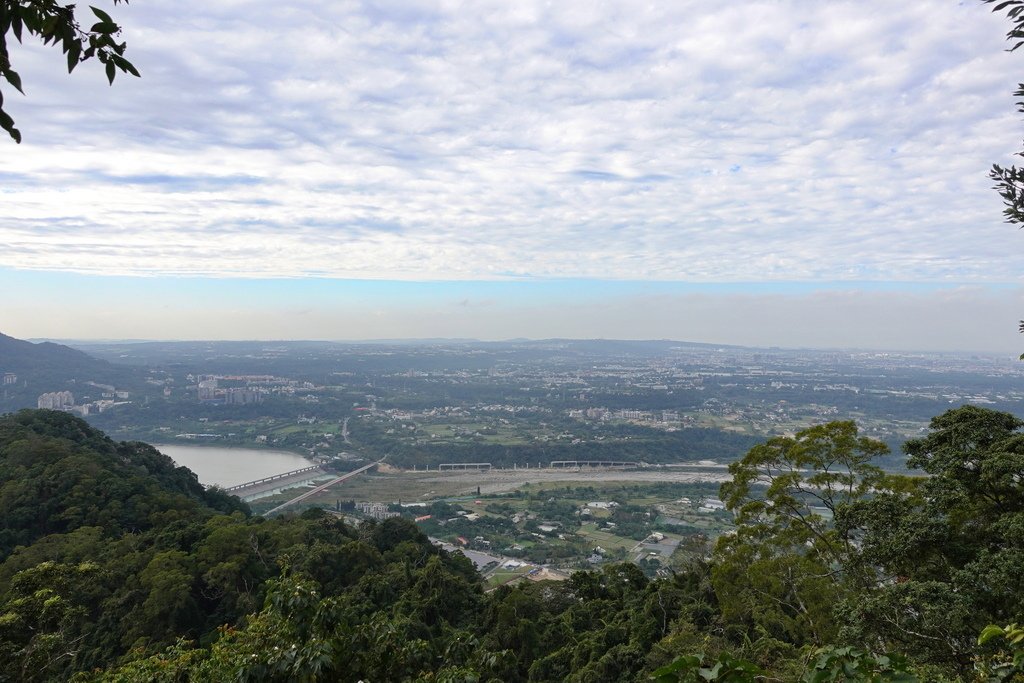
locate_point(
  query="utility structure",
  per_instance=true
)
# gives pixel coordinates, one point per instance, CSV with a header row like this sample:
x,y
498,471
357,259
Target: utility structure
x,y
580,464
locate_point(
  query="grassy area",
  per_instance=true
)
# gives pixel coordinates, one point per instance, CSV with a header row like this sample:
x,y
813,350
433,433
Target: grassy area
x,y
606,540
409,487
504,576
289,429
456,432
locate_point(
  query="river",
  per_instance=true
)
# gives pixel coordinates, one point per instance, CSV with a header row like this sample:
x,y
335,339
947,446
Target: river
x,y
230,466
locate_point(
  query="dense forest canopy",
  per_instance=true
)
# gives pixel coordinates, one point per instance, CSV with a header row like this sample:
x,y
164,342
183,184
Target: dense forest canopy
x,y
118,566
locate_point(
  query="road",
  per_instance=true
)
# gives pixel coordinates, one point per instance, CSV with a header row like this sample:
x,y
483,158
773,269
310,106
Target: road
x,y
318,489
497,481
269,486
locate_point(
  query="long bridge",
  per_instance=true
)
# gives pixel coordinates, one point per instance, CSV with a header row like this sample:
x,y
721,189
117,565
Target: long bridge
x,y
268,486
322,487
264,480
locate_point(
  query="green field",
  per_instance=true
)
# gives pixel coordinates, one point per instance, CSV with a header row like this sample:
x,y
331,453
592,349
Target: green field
x,y
605,539
501,577
479,432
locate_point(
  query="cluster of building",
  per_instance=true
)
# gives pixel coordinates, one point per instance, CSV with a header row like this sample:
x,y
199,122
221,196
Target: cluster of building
x,y
56,400
376,510
249,389
604,414
461,411
65,400
210,392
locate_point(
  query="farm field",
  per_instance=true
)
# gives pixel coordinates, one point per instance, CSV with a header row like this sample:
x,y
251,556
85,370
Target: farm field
x,y
605,539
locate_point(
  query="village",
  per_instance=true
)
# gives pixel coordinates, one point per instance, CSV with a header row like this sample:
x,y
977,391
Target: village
x,y
549,530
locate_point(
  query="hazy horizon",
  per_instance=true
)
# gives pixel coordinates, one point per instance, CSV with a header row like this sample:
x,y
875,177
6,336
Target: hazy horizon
x,y
411,341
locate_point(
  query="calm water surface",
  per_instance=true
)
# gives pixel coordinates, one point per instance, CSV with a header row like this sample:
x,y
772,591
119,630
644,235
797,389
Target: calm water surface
x,y
230,466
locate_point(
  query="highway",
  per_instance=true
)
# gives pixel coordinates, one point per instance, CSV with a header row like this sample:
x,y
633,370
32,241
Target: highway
x,y
318,489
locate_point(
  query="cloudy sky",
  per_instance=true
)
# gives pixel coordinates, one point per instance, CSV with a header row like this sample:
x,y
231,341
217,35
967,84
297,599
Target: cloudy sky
x,y
788,172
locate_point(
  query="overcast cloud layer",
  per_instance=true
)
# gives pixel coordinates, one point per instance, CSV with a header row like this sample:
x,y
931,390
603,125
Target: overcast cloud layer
x,y
693,141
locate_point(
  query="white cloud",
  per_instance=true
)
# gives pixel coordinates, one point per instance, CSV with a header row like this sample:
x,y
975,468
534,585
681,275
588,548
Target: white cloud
x,y
443,140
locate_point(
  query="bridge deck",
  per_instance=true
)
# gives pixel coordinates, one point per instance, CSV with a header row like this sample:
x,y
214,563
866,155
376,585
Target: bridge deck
x,y
322,487
283,475
271,485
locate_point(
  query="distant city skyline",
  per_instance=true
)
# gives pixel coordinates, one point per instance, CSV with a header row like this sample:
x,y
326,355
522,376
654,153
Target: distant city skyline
x,y
772,173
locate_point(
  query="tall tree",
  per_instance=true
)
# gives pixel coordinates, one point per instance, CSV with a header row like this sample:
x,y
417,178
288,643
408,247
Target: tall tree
x,y
783,570
949,550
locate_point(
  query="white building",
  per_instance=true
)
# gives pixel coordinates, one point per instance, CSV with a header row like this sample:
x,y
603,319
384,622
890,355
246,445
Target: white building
x,y
57,400
376,510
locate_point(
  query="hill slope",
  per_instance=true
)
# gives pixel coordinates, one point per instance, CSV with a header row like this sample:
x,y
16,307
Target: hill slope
x,y
58,474
46,367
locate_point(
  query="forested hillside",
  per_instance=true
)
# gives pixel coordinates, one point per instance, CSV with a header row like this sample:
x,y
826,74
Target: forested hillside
x,y
46,367
117,566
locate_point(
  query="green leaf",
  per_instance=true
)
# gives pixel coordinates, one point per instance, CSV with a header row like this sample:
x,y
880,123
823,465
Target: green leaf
x,y
74,53
712,673
106,27
989,632
7,123
124,65
111,71
687,662
14,79
101,15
